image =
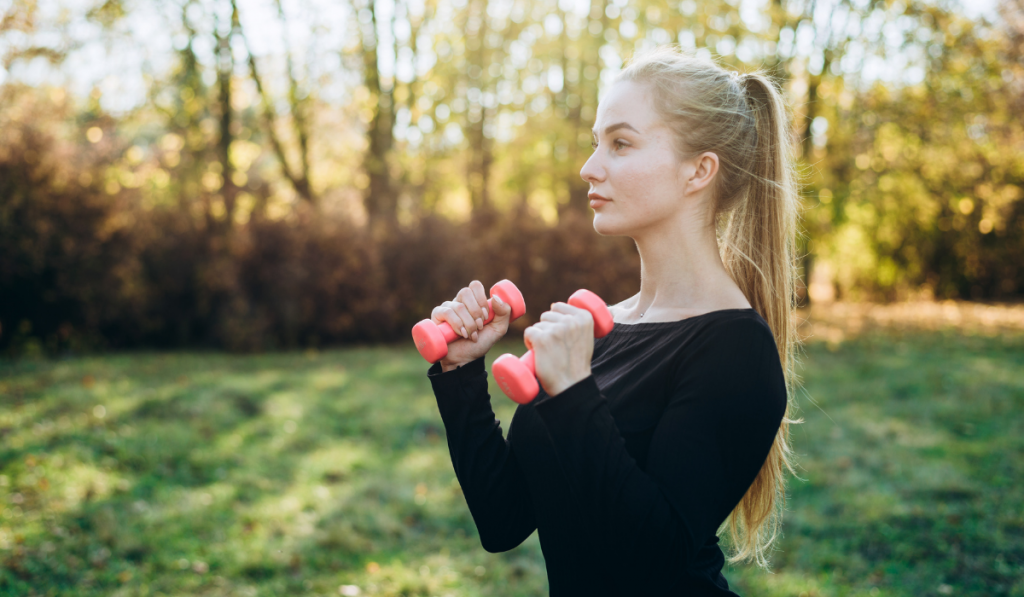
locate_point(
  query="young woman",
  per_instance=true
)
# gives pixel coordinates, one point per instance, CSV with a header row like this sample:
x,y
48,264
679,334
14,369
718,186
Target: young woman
x,y
645,443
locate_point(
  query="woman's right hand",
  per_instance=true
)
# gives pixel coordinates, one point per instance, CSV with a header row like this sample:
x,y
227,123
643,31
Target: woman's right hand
x,y
466,315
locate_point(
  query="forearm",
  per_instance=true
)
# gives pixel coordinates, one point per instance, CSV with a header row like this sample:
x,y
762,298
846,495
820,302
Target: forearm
x,y
492,483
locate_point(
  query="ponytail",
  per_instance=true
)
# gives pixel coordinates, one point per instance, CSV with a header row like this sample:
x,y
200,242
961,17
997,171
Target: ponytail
x,y
760,233
744,120
758,250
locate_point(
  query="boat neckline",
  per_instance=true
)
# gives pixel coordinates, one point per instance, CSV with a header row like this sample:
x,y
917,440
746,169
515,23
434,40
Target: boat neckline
x,y
654,325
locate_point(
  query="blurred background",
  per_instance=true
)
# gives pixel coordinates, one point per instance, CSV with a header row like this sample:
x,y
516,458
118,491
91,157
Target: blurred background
x,y
220,218
257,175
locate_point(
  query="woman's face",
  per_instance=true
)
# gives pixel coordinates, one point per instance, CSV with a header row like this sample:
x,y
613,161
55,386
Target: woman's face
x,y
634,165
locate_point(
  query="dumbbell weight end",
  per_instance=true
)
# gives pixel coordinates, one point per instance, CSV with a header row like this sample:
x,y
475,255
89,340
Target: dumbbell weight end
x,y
517,376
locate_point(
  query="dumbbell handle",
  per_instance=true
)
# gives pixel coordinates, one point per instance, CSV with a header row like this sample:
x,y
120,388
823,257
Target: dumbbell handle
x,y
517,377
432,339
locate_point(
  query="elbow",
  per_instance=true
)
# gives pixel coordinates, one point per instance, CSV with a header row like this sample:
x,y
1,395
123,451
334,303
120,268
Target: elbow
x,y
496,544
503,539
502,531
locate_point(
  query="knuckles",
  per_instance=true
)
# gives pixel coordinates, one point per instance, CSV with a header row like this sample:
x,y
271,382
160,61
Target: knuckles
x,y
534,334
561,320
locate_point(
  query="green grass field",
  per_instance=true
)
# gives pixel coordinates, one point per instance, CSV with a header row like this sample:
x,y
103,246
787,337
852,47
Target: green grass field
x,y
317,473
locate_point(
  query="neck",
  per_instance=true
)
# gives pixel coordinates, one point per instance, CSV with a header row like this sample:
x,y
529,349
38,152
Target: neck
x,y
681,269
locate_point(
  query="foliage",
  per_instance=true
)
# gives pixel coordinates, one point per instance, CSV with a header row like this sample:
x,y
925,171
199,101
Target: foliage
x,y
304,472
919,186
80,268
66,254
335,186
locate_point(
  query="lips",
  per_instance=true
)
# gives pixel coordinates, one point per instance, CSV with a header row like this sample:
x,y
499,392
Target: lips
x,y
597,200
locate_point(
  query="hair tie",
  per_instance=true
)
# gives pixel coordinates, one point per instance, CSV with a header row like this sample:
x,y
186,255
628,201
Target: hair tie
x,y
740,79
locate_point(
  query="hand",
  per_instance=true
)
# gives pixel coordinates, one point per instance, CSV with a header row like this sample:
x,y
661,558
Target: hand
x,y
466,315
563,344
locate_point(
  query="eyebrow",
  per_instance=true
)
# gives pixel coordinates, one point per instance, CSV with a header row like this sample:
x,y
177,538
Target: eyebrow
x,y
612,128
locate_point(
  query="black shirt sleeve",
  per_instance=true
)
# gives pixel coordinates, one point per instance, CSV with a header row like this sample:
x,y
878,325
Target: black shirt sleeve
x,y
484,462
727,401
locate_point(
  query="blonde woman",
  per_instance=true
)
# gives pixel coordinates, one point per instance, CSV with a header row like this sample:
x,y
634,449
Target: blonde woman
x,y
644,444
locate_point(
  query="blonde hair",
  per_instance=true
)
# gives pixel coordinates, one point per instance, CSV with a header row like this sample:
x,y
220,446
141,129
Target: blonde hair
x,y
742,118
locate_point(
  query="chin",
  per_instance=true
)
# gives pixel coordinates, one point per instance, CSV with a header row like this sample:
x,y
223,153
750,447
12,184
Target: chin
x,y
608,226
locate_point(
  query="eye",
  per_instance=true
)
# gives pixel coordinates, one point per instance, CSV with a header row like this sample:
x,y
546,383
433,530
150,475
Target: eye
x,y
618,143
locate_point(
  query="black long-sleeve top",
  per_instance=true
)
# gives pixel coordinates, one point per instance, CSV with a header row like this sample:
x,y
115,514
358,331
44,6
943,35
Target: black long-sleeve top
x,y
628,474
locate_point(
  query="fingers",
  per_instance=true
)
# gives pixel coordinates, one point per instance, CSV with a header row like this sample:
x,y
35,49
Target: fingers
x,y
444,314
467,313
468,297
501,308
566,313
481,297
470,323
539,333
457,316
529,335
566,308
552,316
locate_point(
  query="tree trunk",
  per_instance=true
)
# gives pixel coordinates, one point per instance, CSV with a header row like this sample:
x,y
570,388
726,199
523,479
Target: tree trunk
x,y
587,91
225,69
480,147
379,198
813,83
299,119
300,181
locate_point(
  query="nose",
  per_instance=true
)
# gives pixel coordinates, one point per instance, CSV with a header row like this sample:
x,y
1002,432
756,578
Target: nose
x,y
592,170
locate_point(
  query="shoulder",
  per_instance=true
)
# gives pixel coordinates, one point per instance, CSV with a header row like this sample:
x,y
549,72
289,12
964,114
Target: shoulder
x,y
734,329
732,355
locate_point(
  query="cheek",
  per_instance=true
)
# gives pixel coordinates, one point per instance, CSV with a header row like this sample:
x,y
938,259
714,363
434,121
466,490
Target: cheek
x,y
646,181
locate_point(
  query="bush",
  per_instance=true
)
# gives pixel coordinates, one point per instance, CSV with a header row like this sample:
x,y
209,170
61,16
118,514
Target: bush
x,y
81,268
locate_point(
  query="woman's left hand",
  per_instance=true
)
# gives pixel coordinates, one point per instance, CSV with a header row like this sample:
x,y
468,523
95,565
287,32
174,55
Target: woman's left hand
x,y
563,344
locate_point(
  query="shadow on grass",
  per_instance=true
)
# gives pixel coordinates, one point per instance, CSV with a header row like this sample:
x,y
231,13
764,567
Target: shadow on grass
x,y
216,474
208,474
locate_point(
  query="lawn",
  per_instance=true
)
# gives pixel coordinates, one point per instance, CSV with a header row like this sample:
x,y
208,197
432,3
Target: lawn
x,y
327,473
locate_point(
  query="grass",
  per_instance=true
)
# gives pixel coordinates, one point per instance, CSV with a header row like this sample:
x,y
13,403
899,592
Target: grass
x,y
912,460
328,473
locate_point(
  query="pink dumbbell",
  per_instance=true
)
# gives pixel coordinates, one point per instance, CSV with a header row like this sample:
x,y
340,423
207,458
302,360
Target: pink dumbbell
x,y
517,377
432,339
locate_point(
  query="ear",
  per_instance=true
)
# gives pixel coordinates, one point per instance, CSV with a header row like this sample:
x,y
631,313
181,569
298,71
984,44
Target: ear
x,y
703,169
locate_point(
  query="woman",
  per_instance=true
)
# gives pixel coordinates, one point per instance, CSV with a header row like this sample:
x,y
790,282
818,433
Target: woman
x,y
643,443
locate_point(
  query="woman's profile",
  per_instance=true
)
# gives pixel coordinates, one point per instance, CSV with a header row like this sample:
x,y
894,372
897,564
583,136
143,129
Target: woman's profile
x,y
646,443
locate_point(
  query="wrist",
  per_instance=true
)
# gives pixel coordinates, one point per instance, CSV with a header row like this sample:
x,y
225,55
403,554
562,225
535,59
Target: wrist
x,y
447,365
568,382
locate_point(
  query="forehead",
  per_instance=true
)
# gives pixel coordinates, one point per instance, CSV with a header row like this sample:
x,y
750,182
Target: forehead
x,y
627,101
